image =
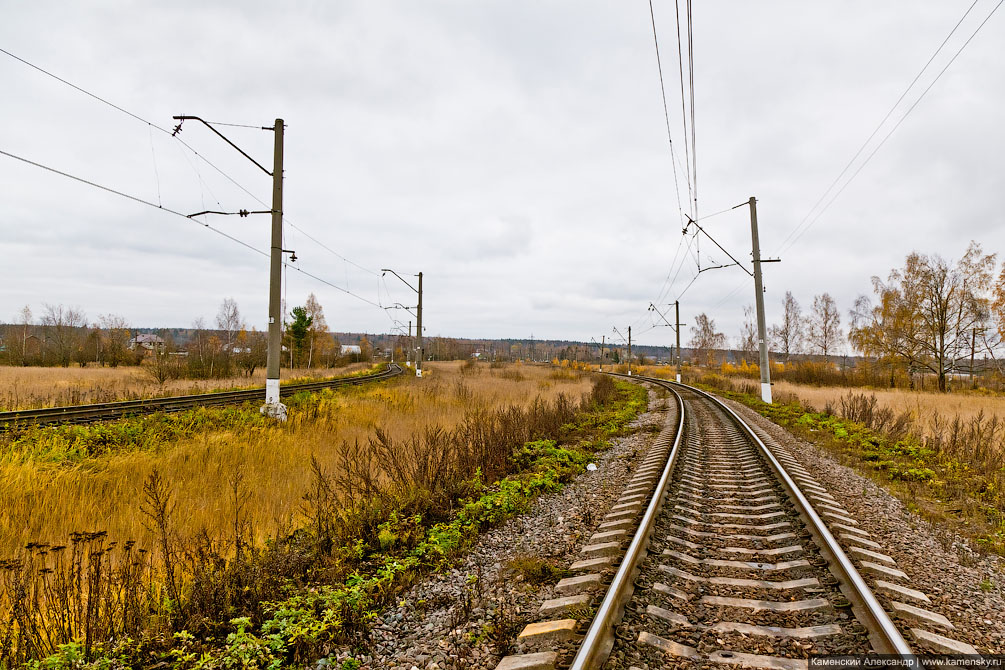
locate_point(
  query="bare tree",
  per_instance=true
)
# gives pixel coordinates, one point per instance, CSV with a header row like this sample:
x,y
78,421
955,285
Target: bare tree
x,y
824,330
61,328
705,340
788,335
748,337
17,338
228,319
116,339
318,327
200,345
252,350
947,302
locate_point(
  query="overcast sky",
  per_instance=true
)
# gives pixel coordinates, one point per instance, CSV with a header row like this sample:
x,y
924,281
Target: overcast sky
x,y
515,152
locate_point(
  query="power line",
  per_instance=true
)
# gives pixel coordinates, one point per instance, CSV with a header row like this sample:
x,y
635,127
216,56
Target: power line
x,y
328,283
187,146
666,280
74,86
237,125
129,197
696,274
148,203
683,113
326,247
730,294
806,222
666,113
694,146
880,124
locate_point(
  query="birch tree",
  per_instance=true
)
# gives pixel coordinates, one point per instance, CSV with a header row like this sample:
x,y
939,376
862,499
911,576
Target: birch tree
x,y
787,336
824,330
705,340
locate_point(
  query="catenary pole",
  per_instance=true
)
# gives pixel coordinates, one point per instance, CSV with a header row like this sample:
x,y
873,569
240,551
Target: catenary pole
x,y
973,347
418,332
759,302
679,360
629,351
275,271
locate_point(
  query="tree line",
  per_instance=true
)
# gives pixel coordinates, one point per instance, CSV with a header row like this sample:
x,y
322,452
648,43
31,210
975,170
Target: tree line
x,y
64,336
931,316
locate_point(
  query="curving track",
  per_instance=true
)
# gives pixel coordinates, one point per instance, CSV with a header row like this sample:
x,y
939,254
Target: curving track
x,y
115,410
729,563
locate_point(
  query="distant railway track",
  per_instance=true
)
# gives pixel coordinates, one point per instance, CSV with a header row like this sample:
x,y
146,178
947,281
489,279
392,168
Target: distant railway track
x,y
115,410
722,552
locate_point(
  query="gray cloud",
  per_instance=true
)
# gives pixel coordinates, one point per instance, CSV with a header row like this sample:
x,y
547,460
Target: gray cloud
x,y
515,153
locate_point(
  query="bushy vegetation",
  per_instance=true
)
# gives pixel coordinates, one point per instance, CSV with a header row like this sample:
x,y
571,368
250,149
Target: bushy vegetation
x,y
215,601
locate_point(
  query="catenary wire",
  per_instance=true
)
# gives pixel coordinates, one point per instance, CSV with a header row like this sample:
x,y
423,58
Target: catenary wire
x,y
806,224
683,113
153,125
177,213
666,112
694,146
879,125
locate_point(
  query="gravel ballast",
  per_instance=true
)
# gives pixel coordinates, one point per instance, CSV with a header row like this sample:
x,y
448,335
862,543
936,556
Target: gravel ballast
x,y
470,615
962,585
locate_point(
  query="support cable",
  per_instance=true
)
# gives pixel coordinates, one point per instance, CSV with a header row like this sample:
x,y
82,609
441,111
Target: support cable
x,y
694,146
806,222
683,113
179,214
154,126
666,113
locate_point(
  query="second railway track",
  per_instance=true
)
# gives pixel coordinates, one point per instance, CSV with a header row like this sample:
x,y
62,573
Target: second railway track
x,y
723,552
115,410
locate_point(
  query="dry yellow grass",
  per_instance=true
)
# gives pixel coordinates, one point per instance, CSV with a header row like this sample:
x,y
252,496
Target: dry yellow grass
x,y
44,502
30,388
921,404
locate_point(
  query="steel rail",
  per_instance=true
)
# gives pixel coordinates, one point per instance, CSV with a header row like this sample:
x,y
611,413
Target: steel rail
x,y
100,411
599,638
888,637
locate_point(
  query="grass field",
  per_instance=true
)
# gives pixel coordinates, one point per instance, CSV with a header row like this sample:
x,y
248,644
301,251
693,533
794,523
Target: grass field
x,y
922,405
943,454
50,488
36,387
216,538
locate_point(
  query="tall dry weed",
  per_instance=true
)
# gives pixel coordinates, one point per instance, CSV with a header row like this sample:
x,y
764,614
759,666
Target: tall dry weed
x,y
315,487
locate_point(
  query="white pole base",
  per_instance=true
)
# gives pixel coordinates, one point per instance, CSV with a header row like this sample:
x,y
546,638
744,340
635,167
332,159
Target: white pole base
x,y
418,372
273,407
766,392
271,391
678,378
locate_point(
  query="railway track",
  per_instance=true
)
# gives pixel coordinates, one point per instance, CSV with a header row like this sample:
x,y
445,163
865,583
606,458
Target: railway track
x,y
116,410
725,552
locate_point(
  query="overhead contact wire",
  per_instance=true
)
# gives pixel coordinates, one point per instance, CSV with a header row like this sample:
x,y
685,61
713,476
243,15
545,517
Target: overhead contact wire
x,y
148,203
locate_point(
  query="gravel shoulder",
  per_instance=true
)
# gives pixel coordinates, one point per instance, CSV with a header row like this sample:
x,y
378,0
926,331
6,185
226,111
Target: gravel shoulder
x,y
963,585
469,616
